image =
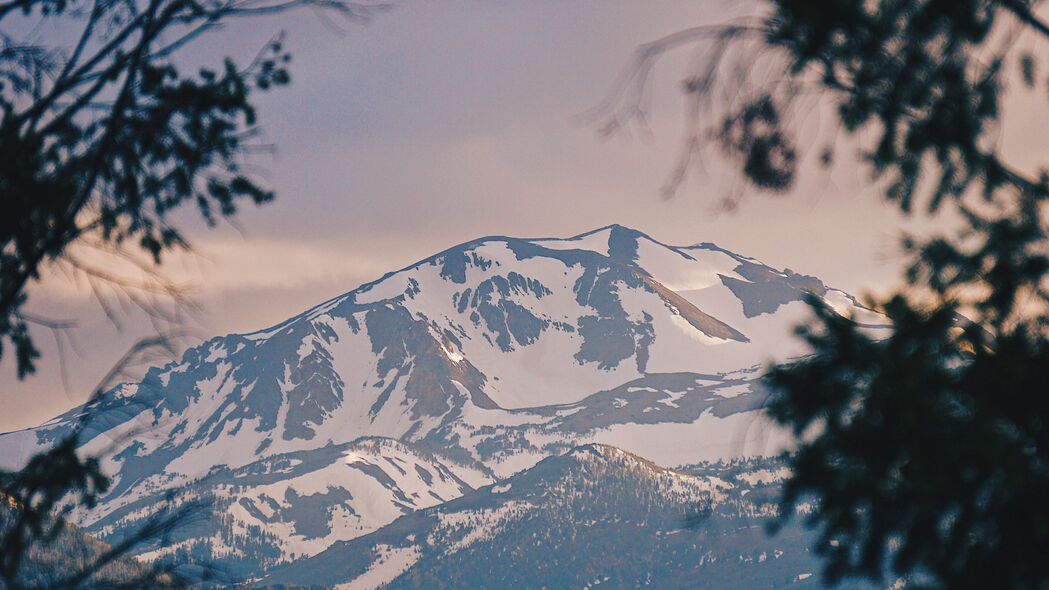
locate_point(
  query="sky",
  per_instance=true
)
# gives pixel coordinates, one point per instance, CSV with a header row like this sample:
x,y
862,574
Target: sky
x,y
439,122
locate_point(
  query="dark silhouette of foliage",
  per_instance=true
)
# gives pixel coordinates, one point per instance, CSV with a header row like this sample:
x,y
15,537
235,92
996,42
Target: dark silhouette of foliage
x,y
753,135
927,450
105,135
102,136
40,550
925,453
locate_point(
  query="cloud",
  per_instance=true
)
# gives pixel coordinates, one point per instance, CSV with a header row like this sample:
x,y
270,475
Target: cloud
x,y
219,266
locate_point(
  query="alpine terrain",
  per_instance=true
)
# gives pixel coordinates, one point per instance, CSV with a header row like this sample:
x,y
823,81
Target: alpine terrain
x,y
477,419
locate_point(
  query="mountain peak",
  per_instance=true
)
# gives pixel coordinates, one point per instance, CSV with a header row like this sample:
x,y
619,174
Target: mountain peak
x,y
613,228
609,455
601,450
481,361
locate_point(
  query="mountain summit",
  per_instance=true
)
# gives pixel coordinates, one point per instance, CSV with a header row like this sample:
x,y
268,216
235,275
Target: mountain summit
x,y
473,364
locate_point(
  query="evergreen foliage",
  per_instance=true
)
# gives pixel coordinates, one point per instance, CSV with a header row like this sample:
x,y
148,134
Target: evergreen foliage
x,y
47,565
103,134
927,452
40,550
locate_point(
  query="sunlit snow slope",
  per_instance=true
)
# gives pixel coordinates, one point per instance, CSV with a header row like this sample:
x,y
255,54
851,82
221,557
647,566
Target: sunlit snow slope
x,y
475,363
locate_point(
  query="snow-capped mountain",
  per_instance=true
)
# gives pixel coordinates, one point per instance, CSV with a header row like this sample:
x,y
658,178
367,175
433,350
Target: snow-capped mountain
x,y
475,364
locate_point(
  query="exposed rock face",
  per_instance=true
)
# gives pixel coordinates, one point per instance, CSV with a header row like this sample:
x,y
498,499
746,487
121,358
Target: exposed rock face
x,y
475,364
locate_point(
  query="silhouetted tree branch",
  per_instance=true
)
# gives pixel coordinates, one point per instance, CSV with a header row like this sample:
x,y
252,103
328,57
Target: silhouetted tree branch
x,y
38,497
924,452
107,136
100,140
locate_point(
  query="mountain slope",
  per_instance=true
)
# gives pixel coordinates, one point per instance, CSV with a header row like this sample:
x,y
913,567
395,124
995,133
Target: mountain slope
x,y
286,506
596,516
481,361
49,562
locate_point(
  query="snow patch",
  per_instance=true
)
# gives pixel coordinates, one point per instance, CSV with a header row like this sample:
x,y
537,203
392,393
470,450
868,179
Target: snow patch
x,y
389,563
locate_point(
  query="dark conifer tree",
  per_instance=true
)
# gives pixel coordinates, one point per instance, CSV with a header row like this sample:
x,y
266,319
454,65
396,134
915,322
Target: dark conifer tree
x,y
926,453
